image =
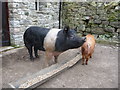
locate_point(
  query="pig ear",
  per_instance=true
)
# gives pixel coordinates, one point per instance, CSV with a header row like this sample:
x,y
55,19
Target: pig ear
x,y
66,28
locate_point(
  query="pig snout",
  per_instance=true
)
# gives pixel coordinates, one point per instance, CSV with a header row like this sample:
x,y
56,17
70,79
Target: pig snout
x,y
84,39
81,41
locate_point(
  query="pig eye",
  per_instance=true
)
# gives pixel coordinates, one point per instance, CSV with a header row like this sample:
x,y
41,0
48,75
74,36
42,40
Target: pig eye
x,y
72,36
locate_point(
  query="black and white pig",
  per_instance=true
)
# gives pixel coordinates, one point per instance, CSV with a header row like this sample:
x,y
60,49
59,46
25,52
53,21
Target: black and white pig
x,y
52,41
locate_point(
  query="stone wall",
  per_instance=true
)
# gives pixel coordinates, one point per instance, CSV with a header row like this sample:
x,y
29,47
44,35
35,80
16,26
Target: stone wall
x,y
98,18
24,14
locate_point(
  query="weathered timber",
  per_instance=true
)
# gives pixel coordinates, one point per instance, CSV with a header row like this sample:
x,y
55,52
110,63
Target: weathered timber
x,y
44,74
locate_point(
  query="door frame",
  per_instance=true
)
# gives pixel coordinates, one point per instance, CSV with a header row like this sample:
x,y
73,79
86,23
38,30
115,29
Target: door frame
x,y
7,34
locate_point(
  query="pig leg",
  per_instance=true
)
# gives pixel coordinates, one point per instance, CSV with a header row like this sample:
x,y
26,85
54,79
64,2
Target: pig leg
x,y
55,58
91,56
29,47
87,60
56,54
83,58
48,57
36,52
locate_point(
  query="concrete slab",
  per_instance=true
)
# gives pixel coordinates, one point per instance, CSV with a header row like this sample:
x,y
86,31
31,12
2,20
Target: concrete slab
x,y
5,48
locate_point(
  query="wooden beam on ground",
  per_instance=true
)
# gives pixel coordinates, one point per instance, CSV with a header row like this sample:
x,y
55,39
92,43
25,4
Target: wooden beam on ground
x,y
44,74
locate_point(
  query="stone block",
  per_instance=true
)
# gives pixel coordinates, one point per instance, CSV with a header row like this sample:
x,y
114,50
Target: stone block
x,y
21,12
115,36
10,5
98,21
16,5
14,24
109,29
118,30
95,16
14,10
103,18
97,31
100,12
16,30
94,26
105,22
115,24
81,27
87,30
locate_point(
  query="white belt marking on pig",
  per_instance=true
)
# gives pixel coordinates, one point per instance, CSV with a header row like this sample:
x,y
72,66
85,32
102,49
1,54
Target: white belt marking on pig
x,y
50,39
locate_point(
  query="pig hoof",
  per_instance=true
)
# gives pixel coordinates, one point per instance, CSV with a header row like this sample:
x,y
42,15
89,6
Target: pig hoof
x,y
32,59
82,63
37,56
78,52
90,56
54,62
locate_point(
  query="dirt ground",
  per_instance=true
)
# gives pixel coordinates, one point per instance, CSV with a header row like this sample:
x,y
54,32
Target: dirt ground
x,y
101,71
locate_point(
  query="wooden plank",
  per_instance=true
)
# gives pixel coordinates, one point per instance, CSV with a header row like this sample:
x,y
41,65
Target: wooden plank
x,y
45,74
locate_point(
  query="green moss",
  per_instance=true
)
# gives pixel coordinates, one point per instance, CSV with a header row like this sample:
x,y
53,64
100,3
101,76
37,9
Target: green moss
x,y
106,42
94,25
106,36
113,16
69,15
15,46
